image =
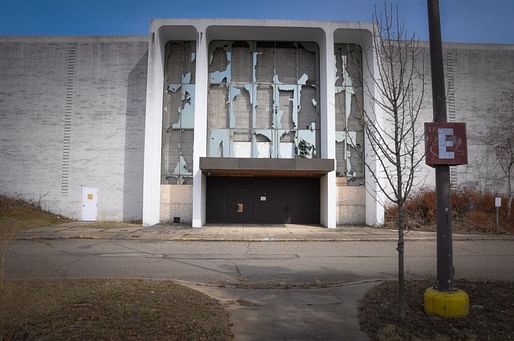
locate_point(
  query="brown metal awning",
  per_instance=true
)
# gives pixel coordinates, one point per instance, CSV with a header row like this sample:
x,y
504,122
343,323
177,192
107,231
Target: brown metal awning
x,y
230,166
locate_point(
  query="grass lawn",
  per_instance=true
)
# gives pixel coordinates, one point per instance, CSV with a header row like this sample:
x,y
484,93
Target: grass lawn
x,y
100,309
20,215
114,309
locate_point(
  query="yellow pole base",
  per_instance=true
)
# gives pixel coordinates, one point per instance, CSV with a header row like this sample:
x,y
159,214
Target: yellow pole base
x,y
446,303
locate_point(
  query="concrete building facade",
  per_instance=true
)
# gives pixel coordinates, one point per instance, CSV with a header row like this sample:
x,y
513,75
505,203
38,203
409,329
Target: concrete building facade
x,y
219,121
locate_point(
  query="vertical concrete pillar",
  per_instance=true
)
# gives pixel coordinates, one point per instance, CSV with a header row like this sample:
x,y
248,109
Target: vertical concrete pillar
x,y
200,124
374,197
328,147
153,129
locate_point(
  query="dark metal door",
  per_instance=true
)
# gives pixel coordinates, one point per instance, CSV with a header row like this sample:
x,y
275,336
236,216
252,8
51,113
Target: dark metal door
x,y
240,205
263,200
270,201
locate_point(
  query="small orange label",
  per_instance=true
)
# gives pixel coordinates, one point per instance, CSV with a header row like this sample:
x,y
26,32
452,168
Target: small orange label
x,y
90,196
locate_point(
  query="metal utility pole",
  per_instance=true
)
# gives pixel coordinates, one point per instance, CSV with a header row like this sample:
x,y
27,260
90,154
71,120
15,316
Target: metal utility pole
x,y
445,269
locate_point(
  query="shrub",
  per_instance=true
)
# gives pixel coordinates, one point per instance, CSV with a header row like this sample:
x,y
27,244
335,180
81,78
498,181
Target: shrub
x,y
472,208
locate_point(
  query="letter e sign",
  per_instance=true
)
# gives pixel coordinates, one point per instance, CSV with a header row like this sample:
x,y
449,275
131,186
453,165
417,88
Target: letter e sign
x,y
445,144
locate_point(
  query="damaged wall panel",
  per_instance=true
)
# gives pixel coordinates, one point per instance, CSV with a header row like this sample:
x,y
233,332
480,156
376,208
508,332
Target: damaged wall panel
x,y
263,98
348,109
177,151
178,113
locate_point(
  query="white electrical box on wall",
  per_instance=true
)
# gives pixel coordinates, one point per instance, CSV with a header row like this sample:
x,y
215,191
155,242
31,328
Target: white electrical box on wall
x,y
89,203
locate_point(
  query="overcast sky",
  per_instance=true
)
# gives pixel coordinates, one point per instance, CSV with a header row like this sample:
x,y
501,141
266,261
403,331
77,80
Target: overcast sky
x,y
481,21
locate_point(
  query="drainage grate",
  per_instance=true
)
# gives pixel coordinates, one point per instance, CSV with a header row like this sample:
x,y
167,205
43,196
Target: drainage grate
x,y
68,110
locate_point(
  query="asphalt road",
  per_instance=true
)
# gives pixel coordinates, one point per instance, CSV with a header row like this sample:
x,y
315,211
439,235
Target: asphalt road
x,y
251,263
273,290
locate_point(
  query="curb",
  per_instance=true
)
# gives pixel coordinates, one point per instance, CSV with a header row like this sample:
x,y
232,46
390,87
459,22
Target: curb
x,y
266,239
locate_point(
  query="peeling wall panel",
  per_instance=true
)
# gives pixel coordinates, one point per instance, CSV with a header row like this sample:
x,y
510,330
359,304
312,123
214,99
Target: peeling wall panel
x,y
178,113
264,107
256,86
186,109
286,64
177,157
265,68
217,110
243,110
307,61
241,149
219,143
308,112
220,69
348,108
178,61
242,64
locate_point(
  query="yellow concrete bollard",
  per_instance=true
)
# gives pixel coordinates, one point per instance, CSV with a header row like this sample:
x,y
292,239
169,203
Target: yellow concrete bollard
x,y
446,303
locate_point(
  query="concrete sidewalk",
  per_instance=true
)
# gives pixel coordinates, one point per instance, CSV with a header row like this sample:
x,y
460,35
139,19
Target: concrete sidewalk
x,y
256,233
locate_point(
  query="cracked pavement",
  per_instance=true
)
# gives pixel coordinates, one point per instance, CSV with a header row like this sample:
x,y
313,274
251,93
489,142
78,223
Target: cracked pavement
x,y
286,290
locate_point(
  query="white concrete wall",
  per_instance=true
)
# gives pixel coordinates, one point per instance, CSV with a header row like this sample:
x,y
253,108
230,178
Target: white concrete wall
x,y
203,31
176,201
106,102
108,127
351,205
482,72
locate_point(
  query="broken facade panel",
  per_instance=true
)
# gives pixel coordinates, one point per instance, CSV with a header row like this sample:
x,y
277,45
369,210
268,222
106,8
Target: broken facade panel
x,y
348,110
241,62
217,110
178,115
264,84
264,97
177,157
308,60
220,59
286,62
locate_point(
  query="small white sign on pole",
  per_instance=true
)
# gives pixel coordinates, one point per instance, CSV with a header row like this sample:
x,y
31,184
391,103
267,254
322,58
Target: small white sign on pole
x,y
498,202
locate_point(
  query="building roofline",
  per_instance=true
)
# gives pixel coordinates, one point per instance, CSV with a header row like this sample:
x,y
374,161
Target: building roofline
x,y
74,39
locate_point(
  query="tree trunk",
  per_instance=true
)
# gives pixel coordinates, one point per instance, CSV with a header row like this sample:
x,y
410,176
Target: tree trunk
x,y
401,266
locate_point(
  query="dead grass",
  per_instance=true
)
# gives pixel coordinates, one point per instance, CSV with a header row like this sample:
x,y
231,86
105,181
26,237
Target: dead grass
x,y
107,224
490,317
25,216
113,309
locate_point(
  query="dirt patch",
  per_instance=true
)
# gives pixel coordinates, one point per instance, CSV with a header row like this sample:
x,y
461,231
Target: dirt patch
x,y
108,310
490,318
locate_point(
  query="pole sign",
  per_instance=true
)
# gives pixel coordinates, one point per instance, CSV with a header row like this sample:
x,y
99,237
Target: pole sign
x,y
445,144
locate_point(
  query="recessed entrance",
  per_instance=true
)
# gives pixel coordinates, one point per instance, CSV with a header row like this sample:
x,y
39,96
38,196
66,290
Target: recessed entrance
x,y
263,200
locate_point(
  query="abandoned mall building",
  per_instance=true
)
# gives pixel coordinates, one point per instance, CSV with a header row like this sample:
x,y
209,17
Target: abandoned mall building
x,y
220,121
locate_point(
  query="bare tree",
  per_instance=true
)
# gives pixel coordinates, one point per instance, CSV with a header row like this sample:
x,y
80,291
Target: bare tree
x,y
397,94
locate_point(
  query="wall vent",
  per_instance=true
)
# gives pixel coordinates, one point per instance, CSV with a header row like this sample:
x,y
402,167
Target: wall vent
x,y
68,111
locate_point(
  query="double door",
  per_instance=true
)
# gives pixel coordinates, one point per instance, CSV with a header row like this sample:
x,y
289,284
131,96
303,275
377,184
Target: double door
x,y
263,200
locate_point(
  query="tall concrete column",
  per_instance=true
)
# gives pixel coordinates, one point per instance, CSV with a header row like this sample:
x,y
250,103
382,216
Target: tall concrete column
x,y
200,124
153,132
328,130
375,199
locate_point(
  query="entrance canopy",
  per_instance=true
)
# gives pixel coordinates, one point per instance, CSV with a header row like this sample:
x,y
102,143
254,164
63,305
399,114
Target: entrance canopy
x,y
265,167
